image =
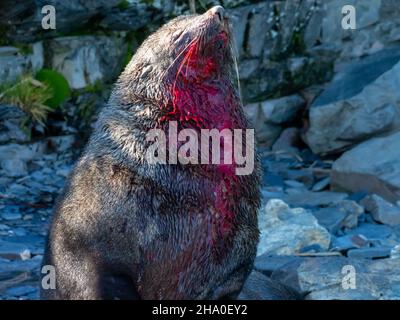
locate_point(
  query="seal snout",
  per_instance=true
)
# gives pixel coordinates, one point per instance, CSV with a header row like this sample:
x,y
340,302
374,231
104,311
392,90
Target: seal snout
x,y
218,11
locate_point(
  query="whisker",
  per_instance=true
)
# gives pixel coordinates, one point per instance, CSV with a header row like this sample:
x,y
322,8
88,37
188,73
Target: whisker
x,y
177,57
235,55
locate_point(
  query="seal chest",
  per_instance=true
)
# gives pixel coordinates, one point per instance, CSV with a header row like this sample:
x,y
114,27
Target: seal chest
x,y
128,228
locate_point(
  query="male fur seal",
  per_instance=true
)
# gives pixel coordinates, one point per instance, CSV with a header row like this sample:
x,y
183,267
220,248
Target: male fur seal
x,y
127,229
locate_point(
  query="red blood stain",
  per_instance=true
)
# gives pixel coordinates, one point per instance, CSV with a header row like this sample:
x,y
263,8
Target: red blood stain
x,y
203,99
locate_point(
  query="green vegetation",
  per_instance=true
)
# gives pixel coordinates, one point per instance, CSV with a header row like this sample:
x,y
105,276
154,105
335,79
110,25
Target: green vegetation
x,y
95,87
30,95
59,85
297,45
36,96
123,5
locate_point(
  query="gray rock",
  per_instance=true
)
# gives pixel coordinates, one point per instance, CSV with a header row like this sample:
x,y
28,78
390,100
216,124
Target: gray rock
x,y
379,175
325,277
20,290
372,231
266,132
330,218
344,214
286,231
382,210
295,184
288,140
83,60
350,110
314,199
12,250
395,252
61,144
11,118
322,278
283,109
349,241
370,253
11,216
14,157
23,21
353,211
260,287
14,63
132,18
321,185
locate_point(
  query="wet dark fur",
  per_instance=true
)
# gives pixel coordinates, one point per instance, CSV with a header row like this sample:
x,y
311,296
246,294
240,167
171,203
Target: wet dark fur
x,y
124,229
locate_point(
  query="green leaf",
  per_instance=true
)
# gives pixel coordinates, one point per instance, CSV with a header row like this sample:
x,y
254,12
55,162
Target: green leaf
x,y
58,84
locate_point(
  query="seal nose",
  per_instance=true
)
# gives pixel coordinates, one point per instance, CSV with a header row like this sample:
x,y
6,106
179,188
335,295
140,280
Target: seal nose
x,y
219,11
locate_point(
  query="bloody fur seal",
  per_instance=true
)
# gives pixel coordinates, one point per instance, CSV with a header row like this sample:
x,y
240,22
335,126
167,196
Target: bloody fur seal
x,y
127,229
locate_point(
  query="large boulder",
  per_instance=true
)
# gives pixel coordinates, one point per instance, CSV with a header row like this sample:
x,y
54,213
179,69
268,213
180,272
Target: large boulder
x,y
372,167
22,20
335,278
287,231
362,101
14,62
377,26
83,60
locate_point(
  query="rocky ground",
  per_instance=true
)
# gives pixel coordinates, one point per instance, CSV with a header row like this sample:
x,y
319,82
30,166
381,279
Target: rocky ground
x,y
308,233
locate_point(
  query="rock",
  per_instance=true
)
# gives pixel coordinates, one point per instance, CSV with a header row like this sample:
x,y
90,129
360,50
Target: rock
x,y
372,231
322,184
330,218
20,290
4,227
11,216
323,278
370,253
14,63
286,231
83,60
12,250
301,175
381,210
268,264
23,21
377,24
295,184
395,252
14,157
259,287
282,110
314,199
25,255
134,17
353,212
379,175
354,107
61,144
288,140
11,118
349,241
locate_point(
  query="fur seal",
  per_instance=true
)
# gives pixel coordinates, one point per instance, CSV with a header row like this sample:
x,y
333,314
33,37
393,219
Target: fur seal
x,y
127,229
